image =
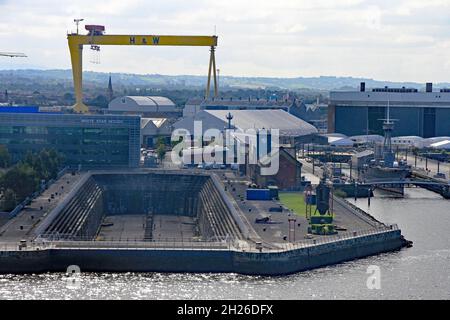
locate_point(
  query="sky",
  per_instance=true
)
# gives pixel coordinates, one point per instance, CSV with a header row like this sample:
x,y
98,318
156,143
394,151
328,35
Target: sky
x,y
396,40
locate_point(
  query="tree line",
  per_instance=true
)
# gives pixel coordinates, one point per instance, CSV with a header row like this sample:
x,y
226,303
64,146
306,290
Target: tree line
x,y
26,177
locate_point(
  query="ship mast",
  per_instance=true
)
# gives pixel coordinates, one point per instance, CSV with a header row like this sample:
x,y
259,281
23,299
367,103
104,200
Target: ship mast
x,y
388,127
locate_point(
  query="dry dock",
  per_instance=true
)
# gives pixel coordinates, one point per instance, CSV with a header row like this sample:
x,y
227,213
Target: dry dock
x,y
175,221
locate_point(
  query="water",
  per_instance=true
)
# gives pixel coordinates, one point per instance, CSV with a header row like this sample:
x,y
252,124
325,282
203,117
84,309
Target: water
x,y
421,272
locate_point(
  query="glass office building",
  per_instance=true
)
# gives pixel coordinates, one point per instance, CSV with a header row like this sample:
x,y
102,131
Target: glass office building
x,y
86,140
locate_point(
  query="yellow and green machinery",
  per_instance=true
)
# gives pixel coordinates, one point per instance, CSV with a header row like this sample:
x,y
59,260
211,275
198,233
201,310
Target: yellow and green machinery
x,y
321,221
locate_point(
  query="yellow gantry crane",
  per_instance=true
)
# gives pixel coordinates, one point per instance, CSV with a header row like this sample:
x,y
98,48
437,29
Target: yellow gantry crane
x,y
96,38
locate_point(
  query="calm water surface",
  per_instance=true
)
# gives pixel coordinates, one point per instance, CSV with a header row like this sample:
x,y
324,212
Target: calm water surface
x,y
421,272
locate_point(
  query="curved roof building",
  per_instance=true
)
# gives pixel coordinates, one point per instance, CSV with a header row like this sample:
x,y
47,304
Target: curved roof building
x,y
287,124
144,105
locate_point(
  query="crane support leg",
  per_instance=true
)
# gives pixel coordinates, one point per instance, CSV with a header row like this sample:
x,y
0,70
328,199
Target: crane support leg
x,y
76,43
76,55
212,71
216,89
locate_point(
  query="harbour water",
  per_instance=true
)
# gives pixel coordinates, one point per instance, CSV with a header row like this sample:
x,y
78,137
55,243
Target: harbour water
x,y
420,272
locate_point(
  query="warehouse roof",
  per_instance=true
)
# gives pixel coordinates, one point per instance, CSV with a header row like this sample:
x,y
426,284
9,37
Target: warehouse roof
x,y
242,102
153,126
409,99
370,138
267,119
288,124
363,154
142,103
157,122
150,101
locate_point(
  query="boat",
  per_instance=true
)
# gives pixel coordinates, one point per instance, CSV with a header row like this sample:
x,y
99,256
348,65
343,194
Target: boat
x,y
384,167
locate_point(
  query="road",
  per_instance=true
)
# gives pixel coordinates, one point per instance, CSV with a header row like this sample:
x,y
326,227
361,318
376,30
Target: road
x,y
431,165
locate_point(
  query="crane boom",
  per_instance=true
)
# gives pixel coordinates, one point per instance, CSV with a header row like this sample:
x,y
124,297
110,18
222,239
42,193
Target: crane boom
x,y
13,54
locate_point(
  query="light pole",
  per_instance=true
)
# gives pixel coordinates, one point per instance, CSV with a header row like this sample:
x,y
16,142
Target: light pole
x,y
218,78
77,22
292,222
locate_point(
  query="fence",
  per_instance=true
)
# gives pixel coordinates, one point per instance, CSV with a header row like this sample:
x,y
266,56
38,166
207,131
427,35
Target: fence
x,y
14,246
305,243
228,244
340,237
358,212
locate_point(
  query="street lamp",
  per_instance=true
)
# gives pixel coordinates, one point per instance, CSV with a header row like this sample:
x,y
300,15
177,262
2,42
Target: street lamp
x,y
77,22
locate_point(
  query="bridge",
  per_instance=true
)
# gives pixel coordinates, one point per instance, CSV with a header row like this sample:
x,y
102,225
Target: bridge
x,y
440,187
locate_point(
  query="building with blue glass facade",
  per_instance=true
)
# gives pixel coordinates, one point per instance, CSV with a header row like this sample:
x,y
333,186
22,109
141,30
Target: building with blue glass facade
x,y
416,113
86,140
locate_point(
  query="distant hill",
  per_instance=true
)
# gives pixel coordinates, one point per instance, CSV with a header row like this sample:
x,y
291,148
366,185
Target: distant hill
x,y
155,80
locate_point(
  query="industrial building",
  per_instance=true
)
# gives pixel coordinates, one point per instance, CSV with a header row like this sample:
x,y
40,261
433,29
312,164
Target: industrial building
x,y
288,177
339,140
290,127
409,142
292,130
360,159
314,113
195,105
86,140
154,128
145,106
415,113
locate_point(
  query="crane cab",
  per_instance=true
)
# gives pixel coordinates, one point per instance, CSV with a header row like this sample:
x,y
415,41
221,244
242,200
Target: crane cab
x,y
95,30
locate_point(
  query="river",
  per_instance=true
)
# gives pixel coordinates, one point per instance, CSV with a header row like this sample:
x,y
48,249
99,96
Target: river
x,y
420,272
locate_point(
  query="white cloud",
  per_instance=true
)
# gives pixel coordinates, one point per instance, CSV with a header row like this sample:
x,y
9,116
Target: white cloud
x,y
404,40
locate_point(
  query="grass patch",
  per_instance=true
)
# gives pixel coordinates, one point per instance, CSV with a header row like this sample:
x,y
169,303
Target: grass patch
x,y
295,201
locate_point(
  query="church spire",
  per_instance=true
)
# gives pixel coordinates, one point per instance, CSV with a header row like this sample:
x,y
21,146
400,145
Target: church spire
x,y
110,89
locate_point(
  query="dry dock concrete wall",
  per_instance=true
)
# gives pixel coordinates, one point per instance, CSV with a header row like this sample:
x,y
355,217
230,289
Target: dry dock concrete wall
x,y
199,260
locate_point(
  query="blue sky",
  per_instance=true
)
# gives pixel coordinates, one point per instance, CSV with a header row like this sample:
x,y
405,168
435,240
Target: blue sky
x,y
391,40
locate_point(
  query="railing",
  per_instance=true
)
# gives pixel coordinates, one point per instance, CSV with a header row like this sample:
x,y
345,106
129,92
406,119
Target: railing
x,y
139,244
14,246
61,204
317,240
36,194
359,212
237,218
340,237
228,244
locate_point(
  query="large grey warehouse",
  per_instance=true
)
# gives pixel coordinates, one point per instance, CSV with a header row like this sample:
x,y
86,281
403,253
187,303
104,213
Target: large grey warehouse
x,y
416,113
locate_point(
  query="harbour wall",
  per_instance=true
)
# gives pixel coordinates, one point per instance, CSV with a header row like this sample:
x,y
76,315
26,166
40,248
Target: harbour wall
x,y
200,260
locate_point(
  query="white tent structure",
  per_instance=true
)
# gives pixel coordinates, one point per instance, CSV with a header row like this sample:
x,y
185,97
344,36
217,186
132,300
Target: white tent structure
x,y
429,141
441,145
338,140
371,138
408,141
